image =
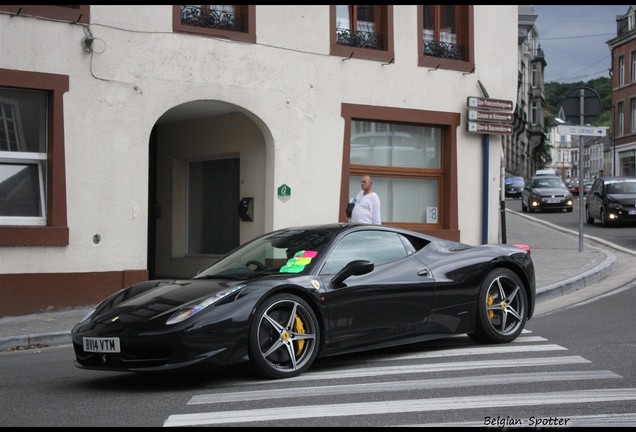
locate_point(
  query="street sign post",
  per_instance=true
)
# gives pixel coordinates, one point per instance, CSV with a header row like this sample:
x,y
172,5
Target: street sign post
x,y
490,117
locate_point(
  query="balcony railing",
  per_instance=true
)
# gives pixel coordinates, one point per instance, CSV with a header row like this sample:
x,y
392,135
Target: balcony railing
x,y
214,19
444,50
359,39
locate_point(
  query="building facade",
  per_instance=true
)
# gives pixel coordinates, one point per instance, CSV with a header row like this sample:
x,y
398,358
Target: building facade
x,y
623,49
529,130
145,141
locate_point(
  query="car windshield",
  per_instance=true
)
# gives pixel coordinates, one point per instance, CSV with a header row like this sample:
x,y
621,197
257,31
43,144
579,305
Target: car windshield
x,y
621,187
514,181
285,251
548,182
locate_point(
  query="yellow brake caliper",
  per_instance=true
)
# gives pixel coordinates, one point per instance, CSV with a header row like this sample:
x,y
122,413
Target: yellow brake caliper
x,y
299,327
489,302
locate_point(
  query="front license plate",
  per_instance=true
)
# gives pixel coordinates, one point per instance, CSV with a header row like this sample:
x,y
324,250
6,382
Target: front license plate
x,y
553,200
101,345
632,212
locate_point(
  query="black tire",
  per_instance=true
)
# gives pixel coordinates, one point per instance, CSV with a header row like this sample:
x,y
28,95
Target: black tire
x,y
284,337
569,210
523,206
588,218
502,309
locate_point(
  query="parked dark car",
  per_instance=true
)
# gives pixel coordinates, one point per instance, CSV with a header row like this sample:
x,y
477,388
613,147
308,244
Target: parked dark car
x,y
611,200
513,186
286,298
546,192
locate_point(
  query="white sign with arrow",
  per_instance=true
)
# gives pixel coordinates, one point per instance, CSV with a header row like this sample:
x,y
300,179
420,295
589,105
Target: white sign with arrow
x,y
600,131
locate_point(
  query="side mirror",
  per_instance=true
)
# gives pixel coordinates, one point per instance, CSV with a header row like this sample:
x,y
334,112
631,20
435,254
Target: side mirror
x,y
353,268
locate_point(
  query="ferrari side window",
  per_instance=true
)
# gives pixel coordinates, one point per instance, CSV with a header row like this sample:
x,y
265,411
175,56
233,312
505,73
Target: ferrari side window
x,y
376,246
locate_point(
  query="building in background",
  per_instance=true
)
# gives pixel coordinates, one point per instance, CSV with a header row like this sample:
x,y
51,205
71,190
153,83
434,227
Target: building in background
x,y
623,49
529,130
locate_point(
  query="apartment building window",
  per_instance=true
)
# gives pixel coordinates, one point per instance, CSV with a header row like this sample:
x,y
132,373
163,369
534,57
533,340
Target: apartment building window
x,y
633,69
632,115
534,113
535,79
620,119
67,13
621,70
234,22
411,156
362,31
445,36
32,167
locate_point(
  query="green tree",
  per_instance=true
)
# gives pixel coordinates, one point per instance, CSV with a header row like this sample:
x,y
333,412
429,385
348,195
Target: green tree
x,y
555,94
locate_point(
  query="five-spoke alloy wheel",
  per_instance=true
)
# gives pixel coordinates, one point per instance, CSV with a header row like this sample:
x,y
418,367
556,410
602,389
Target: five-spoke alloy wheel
x,y
284,337
502,310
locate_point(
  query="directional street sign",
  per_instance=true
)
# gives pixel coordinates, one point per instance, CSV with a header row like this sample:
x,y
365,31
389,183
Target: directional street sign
x,y
489,128
486,103
600,131
495,116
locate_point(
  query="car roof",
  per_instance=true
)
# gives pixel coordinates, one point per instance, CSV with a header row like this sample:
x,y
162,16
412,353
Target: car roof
x,y
617,178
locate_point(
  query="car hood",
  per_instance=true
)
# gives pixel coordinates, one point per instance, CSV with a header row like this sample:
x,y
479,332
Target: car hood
x,y
160,300
550,191
624,199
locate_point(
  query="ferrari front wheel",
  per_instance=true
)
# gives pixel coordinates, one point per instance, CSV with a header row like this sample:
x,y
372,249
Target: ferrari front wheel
x,y
284,337
502,308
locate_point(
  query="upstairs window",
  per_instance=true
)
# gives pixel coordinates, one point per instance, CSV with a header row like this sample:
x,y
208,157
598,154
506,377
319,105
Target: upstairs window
x,y
445,37
234,22
67,13
621,70
620,119
633,69
362,31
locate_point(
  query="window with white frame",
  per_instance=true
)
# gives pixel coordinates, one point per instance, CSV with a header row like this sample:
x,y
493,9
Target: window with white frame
x,y
23,156
534,113
621,70
633,70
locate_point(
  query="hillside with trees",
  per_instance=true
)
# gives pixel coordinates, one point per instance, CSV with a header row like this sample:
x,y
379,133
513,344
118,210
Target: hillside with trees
x,y
555,94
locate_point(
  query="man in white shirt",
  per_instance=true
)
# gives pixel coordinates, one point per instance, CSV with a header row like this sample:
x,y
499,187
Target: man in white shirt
x,y
367,208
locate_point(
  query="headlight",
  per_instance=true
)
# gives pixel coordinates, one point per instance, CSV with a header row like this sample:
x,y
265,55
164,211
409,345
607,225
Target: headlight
x,y
187,312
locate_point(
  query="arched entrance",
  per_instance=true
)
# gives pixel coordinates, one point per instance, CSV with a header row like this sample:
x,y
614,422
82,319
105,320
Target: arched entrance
x,y
204,158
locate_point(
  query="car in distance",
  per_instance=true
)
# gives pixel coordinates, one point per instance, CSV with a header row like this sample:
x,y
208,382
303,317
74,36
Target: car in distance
x,y
612,201
546,192
278,302
513,186
587,185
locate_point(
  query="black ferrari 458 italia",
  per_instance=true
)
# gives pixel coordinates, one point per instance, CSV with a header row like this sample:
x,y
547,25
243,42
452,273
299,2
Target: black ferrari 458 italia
x,y
288,297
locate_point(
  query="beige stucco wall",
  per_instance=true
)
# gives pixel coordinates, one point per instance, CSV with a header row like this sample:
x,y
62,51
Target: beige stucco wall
x,y
286,83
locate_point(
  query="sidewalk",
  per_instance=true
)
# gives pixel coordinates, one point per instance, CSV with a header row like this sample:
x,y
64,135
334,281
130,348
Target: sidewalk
x,y
559,266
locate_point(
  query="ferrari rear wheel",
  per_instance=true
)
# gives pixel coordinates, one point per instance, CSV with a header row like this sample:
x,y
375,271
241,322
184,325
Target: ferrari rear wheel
x,y
284,337
502,309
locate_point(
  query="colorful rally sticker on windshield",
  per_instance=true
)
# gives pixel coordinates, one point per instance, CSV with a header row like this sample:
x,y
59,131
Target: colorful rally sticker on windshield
x,y
298,262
